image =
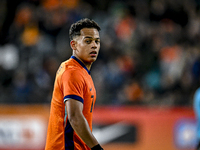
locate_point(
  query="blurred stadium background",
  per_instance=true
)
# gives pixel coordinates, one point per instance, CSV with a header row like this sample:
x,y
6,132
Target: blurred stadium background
x,y
146,74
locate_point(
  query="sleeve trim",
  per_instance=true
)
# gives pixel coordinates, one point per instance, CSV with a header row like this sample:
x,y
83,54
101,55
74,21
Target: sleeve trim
x,y
73,97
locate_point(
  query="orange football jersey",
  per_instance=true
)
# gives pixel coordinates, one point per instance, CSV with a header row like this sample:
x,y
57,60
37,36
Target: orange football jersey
x,y
73,81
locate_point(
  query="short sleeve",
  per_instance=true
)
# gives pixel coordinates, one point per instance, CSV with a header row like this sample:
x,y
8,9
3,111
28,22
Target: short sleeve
x,y
73,85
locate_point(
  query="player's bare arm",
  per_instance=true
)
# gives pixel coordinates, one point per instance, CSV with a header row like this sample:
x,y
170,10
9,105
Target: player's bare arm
x,y
79,123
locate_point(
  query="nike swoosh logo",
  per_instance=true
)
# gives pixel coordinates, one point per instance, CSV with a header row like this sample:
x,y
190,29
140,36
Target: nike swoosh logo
x,y
110,133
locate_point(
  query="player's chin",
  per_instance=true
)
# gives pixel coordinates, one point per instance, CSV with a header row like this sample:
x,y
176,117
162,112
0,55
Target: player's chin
x,y
92,59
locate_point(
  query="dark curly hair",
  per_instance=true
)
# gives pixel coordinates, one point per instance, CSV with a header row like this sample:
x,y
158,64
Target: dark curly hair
x,y
83,23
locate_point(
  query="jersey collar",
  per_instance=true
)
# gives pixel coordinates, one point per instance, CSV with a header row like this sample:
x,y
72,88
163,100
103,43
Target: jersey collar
x,y
80,62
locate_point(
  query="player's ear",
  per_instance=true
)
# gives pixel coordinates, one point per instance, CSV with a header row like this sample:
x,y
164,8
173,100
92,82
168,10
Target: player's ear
x,y
73,44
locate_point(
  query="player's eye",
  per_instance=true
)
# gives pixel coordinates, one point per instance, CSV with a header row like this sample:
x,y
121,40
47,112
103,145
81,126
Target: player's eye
x,y
97,41
88,41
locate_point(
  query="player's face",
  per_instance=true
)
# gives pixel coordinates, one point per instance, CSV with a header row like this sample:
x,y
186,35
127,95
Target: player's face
x,y
87,45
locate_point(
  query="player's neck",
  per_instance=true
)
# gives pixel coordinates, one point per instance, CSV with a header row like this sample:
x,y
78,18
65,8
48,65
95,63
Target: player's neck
x,y
87,65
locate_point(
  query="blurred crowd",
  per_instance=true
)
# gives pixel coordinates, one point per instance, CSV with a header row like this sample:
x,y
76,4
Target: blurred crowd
x,y
149,55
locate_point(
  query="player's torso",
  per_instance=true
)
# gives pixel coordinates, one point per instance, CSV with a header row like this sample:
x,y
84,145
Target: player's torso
x,y
56,138
89,91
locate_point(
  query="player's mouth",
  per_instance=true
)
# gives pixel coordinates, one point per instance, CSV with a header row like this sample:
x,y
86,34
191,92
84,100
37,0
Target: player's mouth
x,y
93,53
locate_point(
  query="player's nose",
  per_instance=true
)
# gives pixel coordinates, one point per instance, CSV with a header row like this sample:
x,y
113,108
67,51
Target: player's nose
x,y
94,44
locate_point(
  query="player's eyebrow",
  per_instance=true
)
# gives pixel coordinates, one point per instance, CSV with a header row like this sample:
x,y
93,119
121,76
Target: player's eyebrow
x,y
89,37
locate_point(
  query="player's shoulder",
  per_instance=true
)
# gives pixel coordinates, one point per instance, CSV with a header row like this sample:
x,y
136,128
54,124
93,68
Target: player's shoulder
x,y
69,67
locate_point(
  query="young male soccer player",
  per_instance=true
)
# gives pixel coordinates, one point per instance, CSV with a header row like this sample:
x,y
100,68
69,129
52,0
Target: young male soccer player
x,y
70,122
